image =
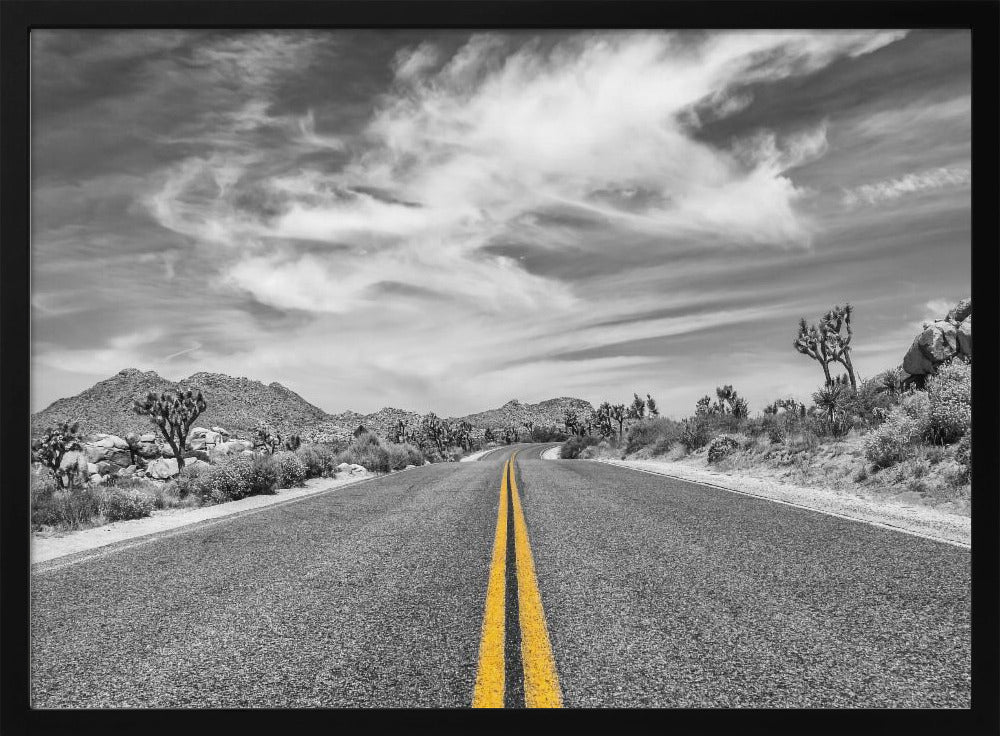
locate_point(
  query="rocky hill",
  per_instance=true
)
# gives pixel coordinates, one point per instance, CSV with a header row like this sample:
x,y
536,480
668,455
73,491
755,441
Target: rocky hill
x,y
514,412
234,403
238,404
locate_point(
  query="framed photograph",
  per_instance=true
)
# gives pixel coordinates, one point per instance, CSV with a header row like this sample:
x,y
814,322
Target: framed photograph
x,y
401,360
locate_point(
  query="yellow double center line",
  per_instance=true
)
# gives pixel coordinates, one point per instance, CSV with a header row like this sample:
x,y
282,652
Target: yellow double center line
x,y
541,681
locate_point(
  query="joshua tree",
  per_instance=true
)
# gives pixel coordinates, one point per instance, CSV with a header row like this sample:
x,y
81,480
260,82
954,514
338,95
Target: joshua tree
x,y
51,448
729,402
619,414
651,406
602,419
463,435
811,341
173,415
488,435
638,408
838,342
704,407
571,420
267,439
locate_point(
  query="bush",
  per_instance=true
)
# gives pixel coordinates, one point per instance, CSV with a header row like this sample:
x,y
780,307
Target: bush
x,y
230,480
572,447
646,432
401,455
292,470
963,455
320,460
721,447
191,481
891,442
119,505
64,509
367,451
265,475
695,434
949,394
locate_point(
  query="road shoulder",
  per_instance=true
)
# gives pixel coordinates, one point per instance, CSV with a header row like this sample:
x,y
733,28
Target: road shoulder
x,y
920,521
46,548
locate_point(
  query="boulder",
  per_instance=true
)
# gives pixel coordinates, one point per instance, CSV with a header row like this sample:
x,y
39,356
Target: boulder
x,y
344,468
166,451
960,311
147,438
965,337
935,345
162,469
96,479
119,458
220,430
149,450
127,472
110,441
92,469
72,458
939,341
104,467
95,453
357,469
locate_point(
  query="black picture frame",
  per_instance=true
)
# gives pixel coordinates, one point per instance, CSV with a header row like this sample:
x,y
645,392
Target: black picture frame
x,y
18,18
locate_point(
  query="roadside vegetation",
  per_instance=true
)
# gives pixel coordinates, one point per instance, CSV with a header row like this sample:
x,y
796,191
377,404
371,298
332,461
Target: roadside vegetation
x,y
66,495
887,434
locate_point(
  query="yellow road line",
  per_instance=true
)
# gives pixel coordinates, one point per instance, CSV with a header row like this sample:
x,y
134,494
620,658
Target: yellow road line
x,y
490,673
541,681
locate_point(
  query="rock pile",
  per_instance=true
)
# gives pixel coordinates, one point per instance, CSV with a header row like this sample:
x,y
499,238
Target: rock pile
x,y
940,341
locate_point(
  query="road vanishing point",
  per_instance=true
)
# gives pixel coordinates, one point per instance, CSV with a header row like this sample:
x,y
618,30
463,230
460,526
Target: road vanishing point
x,y
509,582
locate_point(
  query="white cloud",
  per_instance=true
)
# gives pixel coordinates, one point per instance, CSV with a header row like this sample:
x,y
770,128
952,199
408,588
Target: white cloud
x,y
888,190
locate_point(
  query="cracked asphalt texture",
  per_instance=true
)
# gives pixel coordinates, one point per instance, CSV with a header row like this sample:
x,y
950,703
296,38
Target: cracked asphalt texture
x,y
657,592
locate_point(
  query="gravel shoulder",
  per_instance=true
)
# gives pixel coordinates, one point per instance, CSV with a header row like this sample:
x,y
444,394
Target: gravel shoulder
x,y
918,520
61,544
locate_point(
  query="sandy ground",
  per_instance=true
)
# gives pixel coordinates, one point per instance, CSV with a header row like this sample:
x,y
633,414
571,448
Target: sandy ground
x,y
49,546
475,456
918,520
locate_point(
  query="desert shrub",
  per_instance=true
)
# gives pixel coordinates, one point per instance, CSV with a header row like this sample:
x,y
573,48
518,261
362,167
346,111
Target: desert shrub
x,y
144,485
167,496
949,395
547,433
66,509
192,481
963,455
265,475
891,441
230,480
695,434
122,505
869,404
403,454
320,460
721,447
292,470
367,451
572,447
647,432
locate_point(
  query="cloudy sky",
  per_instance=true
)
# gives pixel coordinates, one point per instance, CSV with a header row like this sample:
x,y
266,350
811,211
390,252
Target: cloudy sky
x,y
449,220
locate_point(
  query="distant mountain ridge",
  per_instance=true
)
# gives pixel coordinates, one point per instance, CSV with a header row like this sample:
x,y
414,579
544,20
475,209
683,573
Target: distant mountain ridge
x,y
238,404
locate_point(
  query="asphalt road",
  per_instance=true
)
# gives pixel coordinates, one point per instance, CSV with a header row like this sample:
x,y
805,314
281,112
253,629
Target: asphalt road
x,y
656,592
